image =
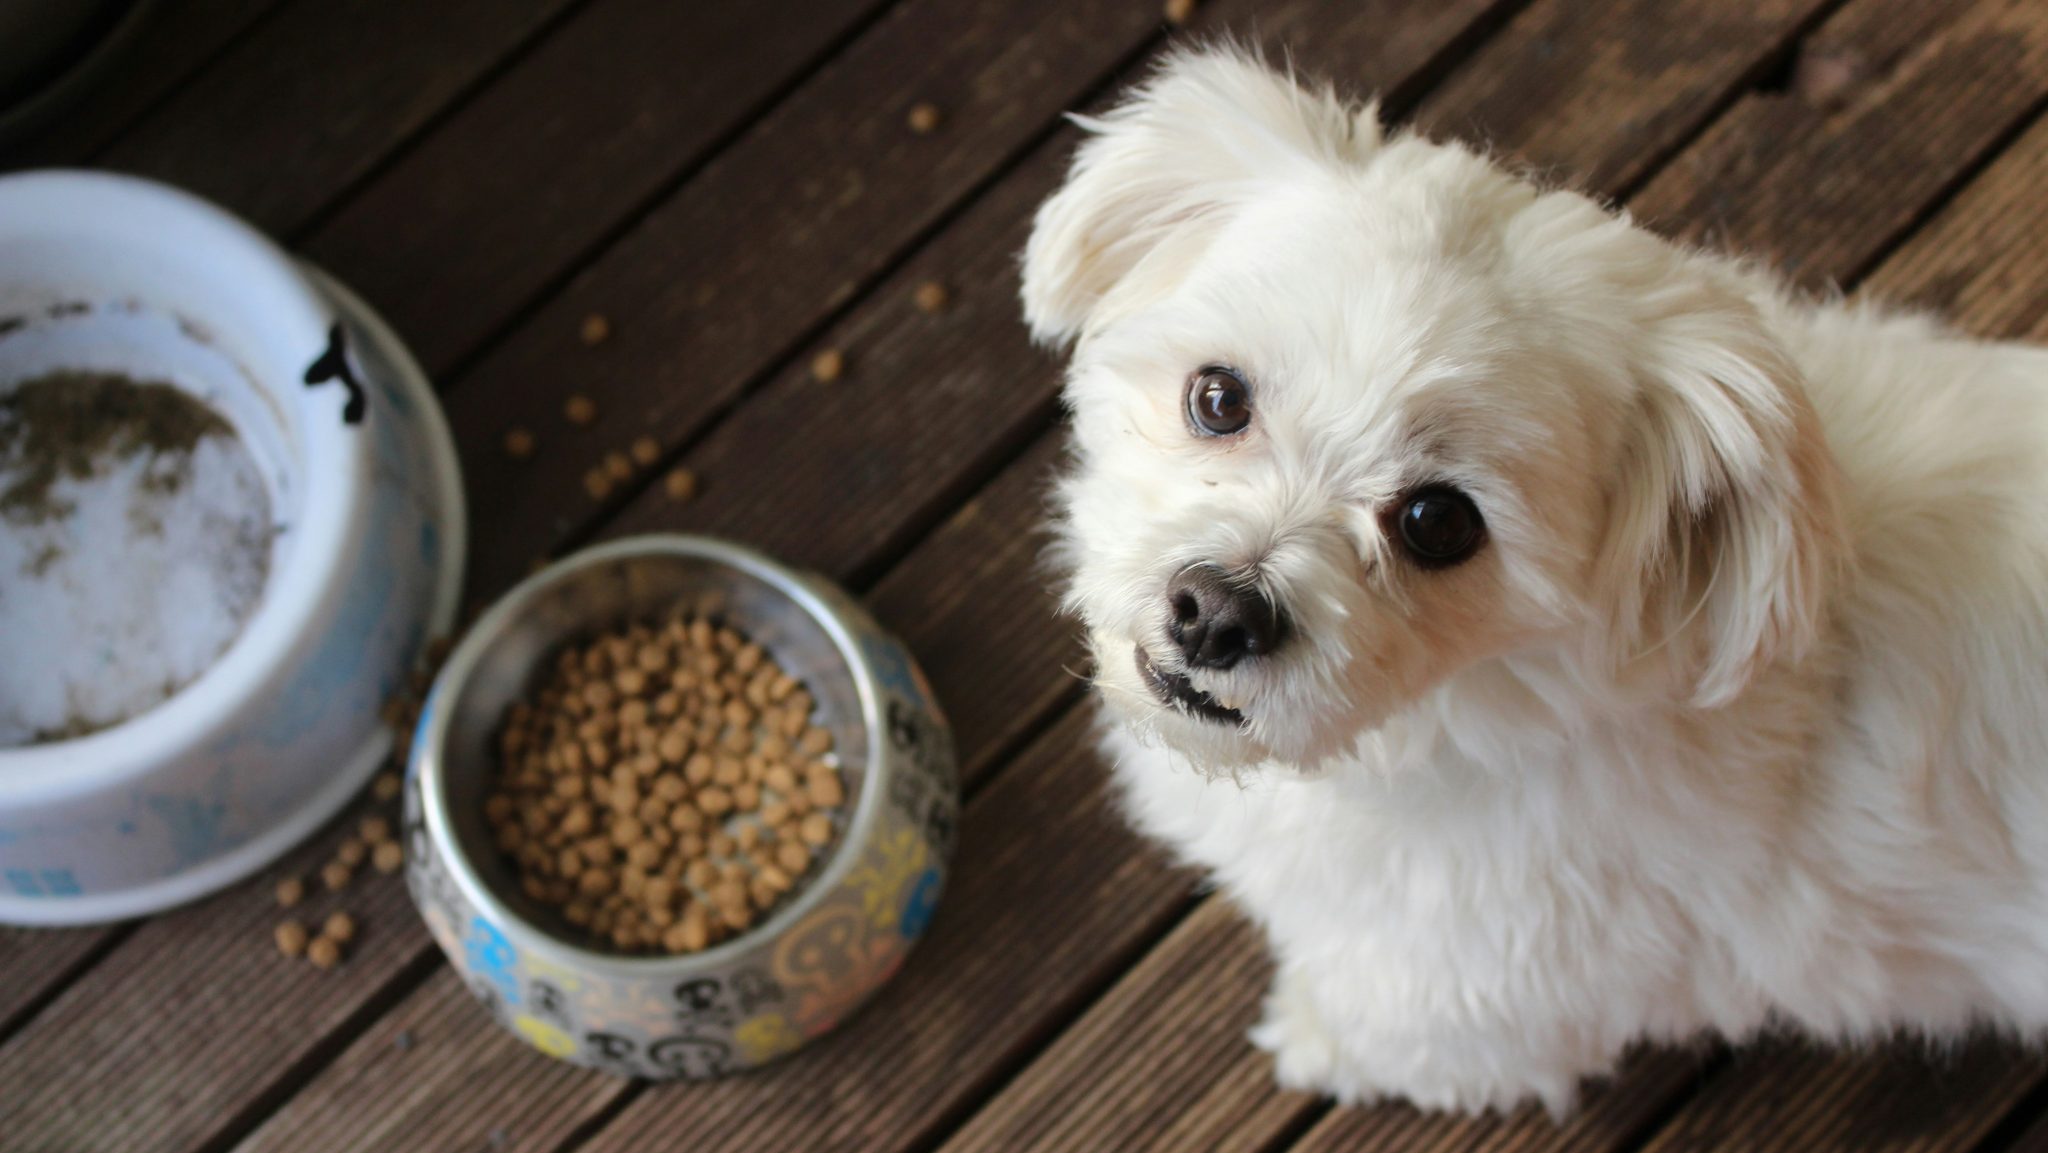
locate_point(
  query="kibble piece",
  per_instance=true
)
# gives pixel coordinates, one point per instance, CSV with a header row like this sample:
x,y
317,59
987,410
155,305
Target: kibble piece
x,y
374,829
714,801
923,118
291,938
388,857
324,952
290,891
816,829
825,790
595,329
1179,12
335,876
519,443
617,466
828,366
339,927
351,852
386,787
794,858
646,450
931,297
597,483
580,409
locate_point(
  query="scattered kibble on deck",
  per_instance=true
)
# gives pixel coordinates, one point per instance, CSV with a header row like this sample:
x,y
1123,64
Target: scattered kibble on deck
x,y
1179,12
646,450
596,329
924,118
932,296
681,484
519,444
580,409
828,366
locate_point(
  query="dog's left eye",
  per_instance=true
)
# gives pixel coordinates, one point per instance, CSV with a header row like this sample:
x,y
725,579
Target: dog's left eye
x,y
1439,526
1219,403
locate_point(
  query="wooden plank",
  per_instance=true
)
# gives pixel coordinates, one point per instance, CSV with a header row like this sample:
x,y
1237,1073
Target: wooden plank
x,y
787,225
1598,94
313,98
1159,1063
181,38
499,200
974,602
35,963
1613,1116
436,1073
1049,892
820,474
1890,104
1903,1098
1983,258
2034,1140
169,1039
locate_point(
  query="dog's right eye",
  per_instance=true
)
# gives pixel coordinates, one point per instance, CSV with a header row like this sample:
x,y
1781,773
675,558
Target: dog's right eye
x,y
1219,403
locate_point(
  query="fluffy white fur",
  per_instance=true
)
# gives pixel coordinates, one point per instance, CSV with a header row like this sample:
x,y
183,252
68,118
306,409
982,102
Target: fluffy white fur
x,y
1740,717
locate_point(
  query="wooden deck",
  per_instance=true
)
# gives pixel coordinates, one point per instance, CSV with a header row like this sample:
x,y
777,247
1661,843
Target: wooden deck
x,y
732,184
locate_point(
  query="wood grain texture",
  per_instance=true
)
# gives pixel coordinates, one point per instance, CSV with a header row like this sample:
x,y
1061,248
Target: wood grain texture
x,y
1801,1100
1888,105
780,229
195,1017
975,603
181,38
517,184
34,963
790,223
1984,259
437,1073
1614,1116
1160,1062
315,97
1597,94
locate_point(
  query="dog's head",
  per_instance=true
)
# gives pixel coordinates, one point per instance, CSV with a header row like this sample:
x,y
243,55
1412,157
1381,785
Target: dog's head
x,y
1357,415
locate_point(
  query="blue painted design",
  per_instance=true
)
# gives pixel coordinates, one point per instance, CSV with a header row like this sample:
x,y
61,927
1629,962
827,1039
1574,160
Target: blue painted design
x,y
193,824
892,667
491,957
24,883
924,901
60,883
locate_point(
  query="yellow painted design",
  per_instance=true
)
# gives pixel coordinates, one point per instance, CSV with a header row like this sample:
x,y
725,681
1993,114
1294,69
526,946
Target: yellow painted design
x,y
766,1038
884,878
543,1036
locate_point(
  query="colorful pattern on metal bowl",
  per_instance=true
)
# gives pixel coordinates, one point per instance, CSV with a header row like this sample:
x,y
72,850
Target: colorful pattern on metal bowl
x,y
769,992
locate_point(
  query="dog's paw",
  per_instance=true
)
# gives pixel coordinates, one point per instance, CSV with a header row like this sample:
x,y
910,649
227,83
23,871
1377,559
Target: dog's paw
x,y
1304,1051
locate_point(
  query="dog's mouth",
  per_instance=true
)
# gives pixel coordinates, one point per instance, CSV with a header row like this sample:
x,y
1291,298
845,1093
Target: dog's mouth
x,y
1176,690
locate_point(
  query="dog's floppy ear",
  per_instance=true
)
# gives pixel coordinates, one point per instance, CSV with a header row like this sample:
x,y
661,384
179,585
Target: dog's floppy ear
x,y
1725,536
1164,164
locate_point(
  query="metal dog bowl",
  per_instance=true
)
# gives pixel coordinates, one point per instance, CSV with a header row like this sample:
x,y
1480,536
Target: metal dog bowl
x,y
759,995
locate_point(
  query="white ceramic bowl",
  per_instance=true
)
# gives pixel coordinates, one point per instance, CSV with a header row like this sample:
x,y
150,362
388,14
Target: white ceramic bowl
x,y
111,273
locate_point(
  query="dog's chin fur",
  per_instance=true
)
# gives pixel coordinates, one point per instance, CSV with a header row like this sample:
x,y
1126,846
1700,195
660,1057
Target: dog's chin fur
x,y
1736,716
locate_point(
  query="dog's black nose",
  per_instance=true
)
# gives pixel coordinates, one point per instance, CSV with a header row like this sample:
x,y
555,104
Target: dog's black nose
x,y
1218,622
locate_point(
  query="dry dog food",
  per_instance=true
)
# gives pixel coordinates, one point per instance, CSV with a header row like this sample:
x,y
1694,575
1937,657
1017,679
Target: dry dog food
x,y
923,119
828,366
666,787
931,297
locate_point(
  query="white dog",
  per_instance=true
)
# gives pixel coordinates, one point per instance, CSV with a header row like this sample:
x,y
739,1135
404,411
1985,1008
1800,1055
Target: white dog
x,y
1552,636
